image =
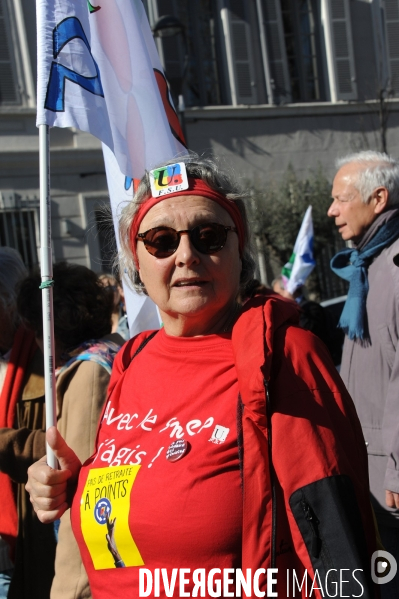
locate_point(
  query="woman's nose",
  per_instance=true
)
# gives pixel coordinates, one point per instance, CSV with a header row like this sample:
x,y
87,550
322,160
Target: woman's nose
x,y
186,252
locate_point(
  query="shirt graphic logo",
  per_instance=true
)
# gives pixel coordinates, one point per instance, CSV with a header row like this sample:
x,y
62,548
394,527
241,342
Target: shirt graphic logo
x,y
109,540
219,434
102,510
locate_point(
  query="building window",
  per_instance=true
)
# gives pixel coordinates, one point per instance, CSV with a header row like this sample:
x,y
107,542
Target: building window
x,y
291,36
391,17
336,22
17,86
203,76
19,227
8,84
299,23
191,59
274,51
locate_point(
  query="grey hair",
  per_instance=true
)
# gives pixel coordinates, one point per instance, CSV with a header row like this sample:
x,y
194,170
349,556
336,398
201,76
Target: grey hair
x,y
12,271
378,170
211,173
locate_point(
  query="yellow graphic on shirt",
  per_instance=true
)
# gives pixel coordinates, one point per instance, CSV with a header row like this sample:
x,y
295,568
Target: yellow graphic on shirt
x,y
104,513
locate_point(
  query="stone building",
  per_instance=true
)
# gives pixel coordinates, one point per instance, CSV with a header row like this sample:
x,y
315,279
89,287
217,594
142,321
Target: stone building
x,y
263,83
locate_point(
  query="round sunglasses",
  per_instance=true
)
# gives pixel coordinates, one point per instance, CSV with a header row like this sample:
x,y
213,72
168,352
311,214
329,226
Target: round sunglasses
x,y
208,238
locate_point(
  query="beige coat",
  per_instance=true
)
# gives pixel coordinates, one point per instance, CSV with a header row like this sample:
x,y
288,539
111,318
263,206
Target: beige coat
x,y
81,394
19,448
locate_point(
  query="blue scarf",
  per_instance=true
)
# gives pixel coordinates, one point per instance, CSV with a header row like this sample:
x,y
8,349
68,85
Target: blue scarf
x,y
352,265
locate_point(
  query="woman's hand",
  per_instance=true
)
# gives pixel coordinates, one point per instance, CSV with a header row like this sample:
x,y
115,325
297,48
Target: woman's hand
x,y
49,489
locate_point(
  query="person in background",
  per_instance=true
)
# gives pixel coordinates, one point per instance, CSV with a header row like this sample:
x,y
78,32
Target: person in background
x,y
313,317
84,353
27,548
229,440
365,207
119,318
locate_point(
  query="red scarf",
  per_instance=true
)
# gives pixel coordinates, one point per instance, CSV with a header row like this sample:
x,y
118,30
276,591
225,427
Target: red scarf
x,y
22,351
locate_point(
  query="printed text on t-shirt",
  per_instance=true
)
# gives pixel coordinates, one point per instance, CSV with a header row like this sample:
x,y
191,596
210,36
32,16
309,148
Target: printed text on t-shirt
x,y
109,450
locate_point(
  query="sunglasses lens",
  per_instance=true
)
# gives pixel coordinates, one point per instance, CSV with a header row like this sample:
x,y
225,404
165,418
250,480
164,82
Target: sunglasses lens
x,y
161,242
209,238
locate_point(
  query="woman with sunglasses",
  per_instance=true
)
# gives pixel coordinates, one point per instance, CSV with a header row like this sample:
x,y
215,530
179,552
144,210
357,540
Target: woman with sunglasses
x,y
228,440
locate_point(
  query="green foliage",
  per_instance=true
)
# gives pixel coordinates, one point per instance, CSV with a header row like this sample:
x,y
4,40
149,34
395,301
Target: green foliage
x,y
278,210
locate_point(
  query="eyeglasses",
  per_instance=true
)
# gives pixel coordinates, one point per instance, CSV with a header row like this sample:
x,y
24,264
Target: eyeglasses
x,y
208,238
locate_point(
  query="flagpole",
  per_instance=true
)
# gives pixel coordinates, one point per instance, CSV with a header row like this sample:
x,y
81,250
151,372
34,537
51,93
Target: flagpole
x,y
125,109
46,267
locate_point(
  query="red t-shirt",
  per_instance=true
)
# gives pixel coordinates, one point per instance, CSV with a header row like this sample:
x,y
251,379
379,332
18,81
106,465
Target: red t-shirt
x,y
160,513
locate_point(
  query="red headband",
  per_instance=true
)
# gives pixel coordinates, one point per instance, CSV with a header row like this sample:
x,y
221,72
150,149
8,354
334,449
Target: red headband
x,y
197,187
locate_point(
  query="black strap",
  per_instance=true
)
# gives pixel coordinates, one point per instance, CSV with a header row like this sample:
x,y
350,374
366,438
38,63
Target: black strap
x,y
143,344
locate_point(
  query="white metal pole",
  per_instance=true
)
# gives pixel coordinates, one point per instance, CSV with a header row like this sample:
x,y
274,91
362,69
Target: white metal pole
x,y
326,26
261,260
24,49
46,264
264,51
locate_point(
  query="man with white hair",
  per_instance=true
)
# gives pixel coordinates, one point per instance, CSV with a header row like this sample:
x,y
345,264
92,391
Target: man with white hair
x,y
366,211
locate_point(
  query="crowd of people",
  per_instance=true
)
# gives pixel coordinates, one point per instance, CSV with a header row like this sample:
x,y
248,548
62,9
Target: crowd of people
x,y
231,418
37,558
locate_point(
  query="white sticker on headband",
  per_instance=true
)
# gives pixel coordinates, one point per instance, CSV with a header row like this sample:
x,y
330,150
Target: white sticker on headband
x,y
168,179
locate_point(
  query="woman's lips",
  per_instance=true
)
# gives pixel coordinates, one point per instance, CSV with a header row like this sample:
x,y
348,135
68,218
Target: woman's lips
x,y
189,283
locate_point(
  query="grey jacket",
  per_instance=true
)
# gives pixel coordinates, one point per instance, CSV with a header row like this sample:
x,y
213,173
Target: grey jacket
x,y
371,374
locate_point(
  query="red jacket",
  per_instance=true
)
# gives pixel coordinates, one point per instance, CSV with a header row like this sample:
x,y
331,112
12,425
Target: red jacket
x,y
297,412
303,456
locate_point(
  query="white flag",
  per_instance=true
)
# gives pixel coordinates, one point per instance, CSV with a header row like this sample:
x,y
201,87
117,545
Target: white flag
x,y
99,71
302,262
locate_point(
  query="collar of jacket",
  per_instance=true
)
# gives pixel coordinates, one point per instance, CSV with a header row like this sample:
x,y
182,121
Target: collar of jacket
x,y
381,219
257,324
